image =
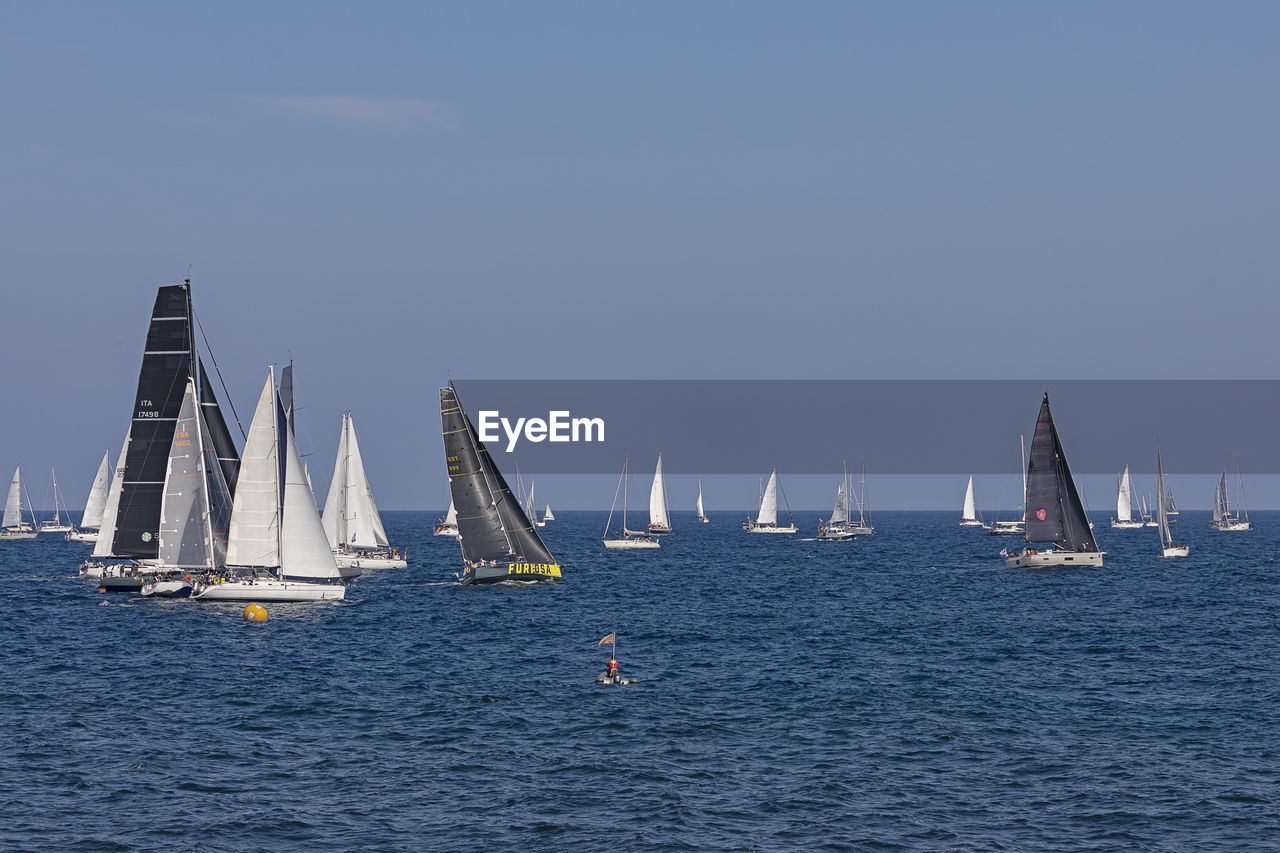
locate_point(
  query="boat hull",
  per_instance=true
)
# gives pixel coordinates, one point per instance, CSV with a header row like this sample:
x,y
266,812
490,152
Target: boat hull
x,y
268,590
1054,557
970,522
1230,527
610,680
631,544
366,563
998,530
518,572
17,534
772,528
89,536
167,588
445,530
1176,551
125,583
1127,525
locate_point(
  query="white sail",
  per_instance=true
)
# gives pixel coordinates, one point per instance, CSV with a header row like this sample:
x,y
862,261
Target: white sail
x,y
304,548
13,504
254,537
1124,499
97,501
658,515
840,515
701,512
769,503
107,533
451,517
547,515
970,503
187,538
1162,518
335,509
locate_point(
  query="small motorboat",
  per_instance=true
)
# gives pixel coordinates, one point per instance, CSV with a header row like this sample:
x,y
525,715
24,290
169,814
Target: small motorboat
x,y
606,678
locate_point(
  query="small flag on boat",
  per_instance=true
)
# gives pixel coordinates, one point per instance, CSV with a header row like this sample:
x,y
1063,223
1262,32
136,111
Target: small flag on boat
x,y
611,640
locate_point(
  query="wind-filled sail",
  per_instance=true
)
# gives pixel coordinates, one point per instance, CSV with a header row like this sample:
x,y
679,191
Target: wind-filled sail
x,y
451,516
304,548
769,503
970,512
1124,500
254,536
1162,516
658,515
97,500
350,513
1220,507
108,530
13,503
701,512
840,515
1054,511
196,508
491,523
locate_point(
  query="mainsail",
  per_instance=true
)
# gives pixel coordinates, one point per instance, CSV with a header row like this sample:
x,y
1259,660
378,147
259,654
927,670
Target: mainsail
x,y
451,515
658,515
107,533
1124,498
350,513
701,512
970,512
97,501
1221,509
1162,512
1054,511
491,523
840,515
168,362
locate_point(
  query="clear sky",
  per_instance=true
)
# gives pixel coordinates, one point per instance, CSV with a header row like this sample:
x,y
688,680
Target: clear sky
x,y
390,192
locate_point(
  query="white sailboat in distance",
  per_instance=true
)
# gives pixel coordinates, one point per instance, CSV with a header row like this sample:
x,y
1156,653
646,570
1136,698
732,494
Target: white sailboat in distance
x,y
14,527
766,520
630,540
702,513
95,505
1223,518
351,518
659,516
1167,546
1124,519
447,526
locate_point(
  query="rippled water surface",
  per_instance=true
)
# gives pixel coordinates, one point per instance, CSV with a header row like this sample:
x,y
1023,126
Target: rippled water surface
x,y
903,692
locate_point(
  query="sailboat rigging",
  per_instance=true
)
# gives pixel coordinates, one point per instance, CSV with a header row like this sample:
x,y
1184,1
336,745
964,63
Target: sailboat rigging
x,y
630,540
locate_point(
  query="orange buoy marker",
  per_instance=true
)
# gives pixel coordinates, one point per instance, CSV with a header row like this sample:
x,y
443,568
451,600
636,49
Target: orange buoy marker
x,y
255,613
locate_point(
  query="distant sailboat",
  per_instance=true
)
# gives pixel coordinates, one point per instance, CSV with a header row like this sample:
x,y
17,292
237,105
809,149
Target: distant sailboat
x,y
969,516
766,520
547,516
351,518
1019,526
1053,509
863,527
702,513
659,516
531,509
630,540
61,521
13,526
1223,519
499,542
1124,504
1167,546
447,526
95,505
277,549
838,528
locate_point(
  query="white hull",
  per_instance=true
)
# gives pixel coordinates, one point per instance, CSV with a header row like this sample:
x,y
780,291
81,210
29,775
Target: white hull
x,y
859,530
446,530
1230,527
772,528
970,522
269,590
367,562
1054,557
167,588
631,544
55,528
91,570
1126,525
1007,528
89,536
18,534
1175,551
703,519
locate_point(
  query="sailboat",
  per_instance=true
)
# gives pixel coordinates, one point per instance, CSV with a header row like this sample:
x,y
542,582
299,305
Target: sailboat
x,y
131,522
96,566
499,543
1124,504
1167,546
863,527
1170,508
1017,527
447,526
91,520
351,518
702,513
531,509
969,516
1053,509
195,509
1223,519
13,526
61,521
766,520
276,544
837,528
547,515
1147,519
659,517
631,540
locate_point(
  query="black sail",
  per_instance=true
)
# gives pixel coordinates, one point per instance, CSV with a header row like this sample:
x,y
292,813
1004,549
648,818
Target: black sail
x,y
162,381
491,523
223,445
1054,511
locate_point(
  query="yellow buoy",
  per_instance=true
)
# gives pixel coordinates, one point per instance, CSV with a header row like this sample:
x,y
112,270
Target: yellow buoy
x,y
255,613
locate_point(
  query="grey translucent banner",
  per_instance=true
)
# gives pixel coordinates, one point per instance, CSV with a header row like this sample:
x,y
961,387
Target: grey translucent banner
x,y
902,427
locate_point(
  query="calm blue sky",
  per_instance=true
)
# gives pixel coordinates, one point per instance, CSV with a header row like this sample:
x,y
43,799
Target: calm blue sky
x,y
392,191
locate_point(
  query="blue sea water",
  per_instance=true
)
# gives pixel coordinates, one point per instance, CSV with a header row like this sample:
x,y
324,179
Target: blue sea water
x,y
899,692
